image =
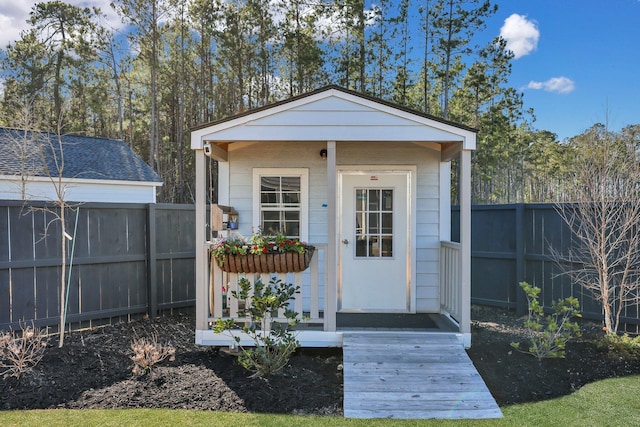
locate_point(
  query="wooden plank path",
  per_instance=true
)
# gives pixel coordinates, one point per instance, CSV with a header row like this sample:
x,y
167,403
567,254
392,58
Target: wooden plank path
x,y
412,375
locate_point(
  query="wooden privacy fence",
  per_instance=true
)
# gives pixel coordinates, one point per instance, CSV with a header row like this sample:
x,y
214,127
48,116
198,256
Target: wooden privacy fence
x,y
513,243
128,259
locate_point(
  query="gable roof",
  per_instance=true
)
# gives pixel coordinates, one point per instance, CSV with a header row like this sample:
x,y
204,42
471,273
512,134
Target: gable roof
x,y
333,113
84,157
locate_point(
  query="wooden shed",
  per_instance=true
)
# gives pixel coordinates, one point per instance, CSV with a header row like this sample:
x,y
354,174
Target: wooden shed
x,y
373,184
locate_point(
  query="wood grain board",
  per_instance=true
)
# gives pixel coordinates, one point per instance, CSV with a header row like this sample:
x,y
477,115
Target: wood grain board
x,y
412,375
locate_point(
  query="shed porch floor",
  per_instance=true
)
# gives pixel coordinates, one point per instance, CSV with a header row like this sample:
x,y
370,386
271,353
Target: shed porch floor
x,y
417,322
426,322
413,375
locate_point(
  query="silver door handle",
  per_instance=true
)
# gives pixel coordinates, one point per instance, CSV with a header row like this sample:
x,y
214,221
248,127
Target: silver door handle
x,y
345,241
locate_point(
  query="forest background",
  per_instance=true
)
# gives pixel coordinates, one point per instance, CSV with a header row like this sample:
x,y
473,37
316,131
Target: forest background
x,y
181,63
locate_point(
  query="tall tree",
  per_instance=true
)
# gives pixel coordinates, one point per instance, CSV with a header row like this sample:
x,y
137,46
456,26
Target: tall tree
x,y
402,57
302,57
547,165
232,57
146,17
177,76
424,11
380,53
348,38
52,59
452,26
25,71
203,17
70,34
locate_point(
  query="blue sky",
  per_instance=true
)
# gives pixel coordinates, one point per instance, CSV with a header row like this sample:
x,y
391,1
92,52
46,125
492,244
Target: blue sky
x,y
577,60
590,43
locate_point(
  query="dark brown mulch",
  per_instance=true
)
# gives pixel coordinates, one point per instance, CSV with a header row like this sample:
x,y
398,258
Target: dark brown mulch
x,y
93,370
516,377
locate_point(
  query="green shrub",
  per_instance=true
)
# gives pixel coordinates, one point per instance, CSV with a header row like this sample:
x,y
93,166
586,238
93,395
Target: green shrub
x,y
548,335
621,345
272,350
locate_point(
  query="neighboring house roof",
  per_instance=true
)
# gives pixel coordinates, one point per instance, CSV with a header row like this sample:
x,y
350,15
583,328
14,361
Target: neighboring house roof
x,y
85,157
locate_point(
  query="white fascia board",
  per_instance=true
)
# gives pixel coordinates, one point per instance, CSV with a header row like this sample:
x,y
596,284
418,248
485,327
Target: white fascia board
x,y
197,140
75,181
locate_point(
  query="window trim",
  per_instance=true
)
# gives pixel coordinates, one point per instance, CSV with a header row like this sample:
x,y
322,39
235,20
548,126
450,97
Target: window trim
x,y
303,174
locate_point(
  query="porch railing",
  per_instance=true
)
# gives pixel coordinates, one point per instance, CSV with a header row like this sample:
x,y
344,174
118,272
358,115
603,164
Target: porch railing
x,y
450,279
309,302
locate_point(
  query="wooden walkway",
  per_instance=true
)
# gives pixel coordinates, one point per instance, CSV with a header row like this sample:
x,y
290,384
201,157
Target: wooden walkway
x,y
412,375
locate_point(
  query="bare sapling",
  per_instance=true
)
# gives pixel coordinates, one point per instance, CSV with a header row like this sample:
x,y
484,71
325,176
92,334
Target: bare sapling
x,y
605,222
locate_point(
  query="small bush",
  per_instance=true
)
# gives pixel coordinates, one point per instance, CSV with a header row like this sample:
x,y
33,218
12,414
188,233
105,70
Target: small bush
x,y
21,351
272,350
548,335
621,345
149,352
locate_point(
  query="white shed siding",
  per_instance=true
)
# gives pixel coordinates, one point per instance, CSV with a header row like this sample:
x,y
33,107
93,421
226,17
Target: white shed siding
x,y
246,157
332,116
80,190
243,157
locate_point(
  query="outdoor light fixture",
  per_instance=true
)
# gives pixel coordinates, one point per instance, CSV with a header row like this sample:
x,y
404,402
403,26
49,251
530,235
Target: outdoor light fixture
x,y
323,154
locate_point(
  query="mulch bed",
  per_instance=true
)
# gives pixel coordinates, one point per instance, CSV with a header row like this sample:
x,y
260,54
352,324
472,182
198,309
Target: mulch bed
x,y
93,370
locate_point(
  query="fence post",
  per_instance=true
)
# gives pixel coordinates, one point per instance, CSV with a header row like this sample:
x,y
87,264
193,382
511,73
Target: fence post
x,y
152,258
521,302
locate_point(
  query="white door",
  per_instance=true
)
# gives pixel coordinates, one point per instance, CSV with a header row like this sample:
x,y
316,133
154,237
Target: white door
x,y
375,265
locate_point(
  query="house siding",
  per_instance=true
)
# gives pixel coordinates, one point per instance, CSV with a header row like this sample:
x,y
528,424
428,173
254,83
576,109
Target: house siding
x,y
82,191
243,157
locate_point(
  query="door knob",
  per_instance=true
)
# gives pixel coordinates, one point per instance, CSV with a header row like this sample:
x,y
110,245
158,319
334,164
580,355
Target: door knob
x,y
345,241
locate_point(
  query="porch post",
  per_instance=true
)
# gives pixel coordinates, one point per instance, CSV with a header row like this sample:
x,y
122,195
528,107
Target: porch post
x,y
202,292
465,241
330,291
445,200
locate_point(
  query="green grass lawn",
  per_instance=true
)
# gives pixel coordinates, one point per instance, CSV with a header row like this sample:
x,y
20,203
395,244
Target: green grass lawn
x,y
612,402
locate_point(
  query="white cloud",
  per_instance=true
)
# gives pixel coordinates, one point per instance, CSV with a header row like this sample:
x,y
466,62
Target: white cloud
x,y
14,15
554,84
521,34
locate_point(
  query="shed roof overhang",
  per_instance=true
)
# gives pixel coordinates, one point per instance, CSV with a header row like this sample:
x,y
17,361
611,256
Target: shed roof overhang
x,y
333,114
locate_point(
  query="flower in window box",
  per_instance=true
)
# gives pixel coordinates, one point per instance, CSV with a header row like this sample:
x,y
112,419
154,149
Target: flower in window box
x,y
237,254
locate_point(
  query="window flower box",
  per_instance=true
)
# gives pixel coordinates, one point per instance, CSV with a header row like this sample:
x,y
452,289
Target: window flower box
x,y
288,262
261,254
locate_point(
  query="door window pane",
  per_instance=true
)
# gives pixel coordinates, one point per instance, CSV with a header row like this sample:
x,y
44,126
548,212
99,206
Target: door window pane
x,y
387,223
387,200
374,222
374,200
361,200
361,246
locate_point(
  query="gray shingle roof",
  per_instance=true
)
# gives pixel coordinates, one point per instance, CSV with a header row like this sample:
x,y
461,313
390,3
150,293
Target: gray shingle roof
x,y
84,157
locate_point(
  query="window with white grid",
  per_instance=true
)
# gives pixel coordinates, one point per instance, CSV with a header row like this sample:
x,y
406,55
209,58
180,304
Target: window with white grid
x,y
280,201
